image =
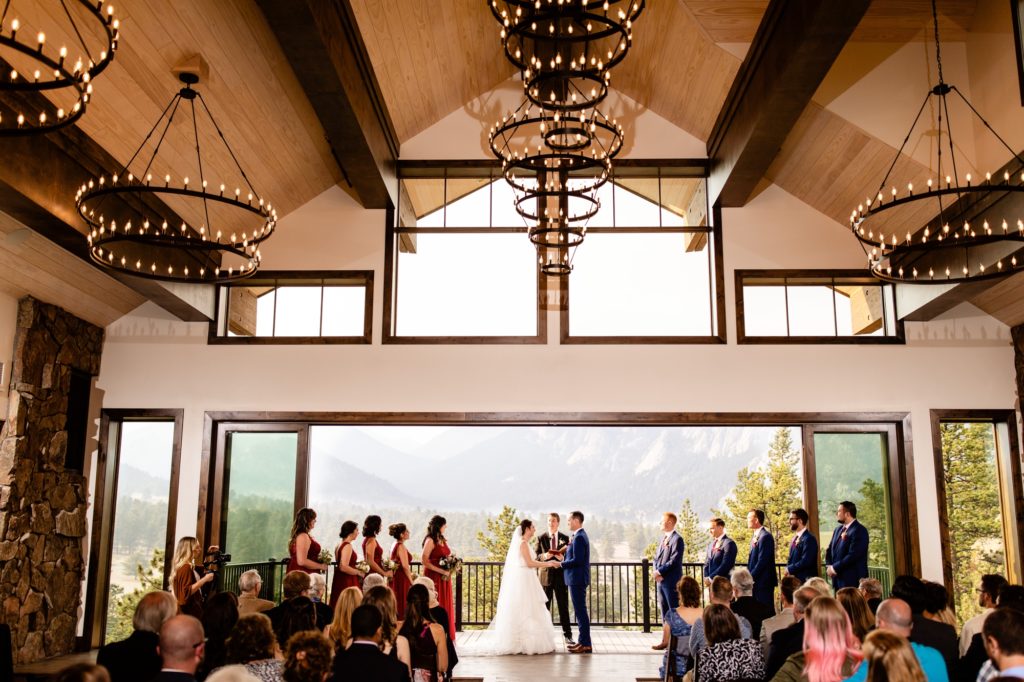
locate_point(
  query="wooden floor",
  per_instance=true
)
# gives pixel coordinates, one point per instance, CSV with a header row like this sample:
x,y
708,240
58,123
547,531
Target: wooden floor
x,y
619,655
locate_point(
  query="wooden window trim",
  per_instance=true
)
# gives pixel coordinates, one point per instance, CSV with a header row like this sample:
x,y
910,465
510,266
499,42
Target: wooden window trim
x,y
1007,418
364,277
1017,15
105,507
898,338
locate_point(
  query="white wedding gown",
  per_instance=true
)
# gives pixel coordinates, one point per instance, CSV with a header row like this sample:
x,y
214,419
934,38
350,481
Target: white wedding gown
x,y
522,623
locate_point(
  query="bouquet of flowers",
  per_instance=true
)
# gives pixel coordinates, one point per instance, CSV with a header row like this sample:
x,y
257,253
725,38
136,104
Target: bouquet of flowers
x,y
325,556
389,565
452,564
363,566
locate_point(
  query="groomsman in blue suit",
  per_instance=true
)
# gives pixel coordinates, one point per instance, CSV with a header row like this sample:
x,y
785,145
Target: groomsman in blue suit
x,y
846,558
803,549
668,567
721,552
576,571
761,563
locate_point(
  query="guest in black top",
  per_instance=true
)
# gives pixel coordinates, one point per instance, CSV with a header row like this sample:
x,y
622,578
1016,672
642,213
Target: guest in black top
x,y
219,617
182,647
440,616
938,636
745,605
136,657
363,661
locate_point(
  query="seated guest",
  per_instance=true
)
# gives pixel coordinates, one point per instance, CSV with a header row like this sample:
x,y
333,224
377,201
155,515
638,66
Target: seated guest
x,y
219,617
856,607
363,661
427,647
297,615
82,672
252,645
871,588
392,644
232,673
678,624
744,604
721,593
936,604
295,584
373,580
939,636
788,641
820,585
137,657
339,632
789,585
324,613
889,658
249,585
440,616
988,594
975,666
894,617
727,655
307,658
830,652
1003,632
181,649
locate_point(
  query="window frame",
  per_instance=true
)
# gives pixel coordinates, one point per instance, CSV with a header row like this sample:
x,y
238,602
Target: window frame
x,y
837,276
278,278
440,170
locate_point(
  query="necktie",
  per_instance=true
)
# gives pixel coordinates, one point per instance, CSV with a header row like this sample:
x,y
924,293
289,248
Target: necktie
x,y
792,545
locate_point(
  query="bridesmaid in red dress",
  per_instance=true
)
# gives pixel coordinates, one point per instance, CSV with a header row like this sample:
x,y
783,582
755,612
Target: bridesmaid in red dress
x,y
346,574
303,550
373,553
403,573
435,548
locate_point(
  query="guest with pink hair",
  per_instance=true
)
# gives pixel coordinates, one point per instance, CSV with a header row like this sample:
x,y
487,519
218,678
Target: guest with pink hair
x,y
831,652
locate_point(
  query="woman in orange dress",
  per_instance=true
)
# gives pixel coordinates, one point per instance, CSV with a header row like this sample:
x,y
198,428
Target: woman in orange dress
x,y
188,583
403,571
303,550
435,548
346,574
373,553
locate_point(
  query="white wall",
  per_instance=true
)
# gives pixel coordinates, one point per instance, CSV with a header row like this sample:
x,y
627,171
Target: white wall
x,y
8,324
152,360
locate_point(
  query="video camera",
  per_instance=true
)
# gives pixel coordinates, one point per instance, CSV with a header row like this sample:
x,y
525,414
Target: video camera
x,y
215,558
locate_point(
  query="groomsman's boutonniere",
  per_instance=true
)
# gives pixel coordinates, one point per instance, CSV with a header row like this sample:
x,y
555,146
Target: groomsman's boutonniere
x,y
842,536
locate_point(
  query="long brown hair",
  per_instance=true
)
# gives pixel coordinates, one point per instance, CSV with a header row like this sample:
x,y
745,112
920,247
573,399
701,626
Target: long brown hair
x,y
437,522
890,658
856,606
384,599
304,519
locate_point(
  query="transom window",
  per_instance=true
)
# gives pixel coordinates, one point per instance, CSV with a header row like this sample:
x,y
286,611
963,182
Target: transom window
x,y
814,306
295,307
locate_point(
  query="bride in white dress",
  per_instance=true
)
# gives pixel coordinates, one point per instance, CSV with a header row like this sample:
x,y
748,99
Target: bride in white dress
x,y
522,623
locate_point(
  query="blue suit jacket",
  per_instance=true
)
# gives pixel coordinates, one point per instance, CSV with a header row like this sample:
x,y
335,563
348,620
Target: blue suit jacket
x,y
803,557
720,562
668,562
848,557
577,560
762,561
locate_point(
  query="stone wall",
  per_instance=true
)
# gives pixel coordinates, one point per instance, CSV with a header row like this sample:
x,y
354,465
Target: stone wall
x,y
42,505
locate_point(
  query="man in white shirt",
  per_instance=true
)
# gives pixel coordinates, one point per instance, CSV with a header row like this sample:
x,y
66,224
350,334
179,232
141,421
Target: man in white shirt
x,y
988,594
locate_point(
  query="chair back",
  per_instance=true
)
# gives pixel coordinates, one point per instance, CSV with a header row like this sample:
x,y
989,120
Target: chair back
x,y
678,646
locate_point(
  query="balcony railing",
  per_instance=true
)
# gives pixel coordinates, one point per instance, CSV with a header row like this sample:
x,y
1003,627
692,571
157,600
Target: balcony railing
x,y
621,594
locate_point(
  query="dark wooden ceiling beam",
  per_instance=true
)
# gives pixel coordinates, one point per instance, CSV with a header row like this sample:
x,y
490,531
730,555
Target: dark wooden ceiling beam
x,y
794,48
39,177
324,47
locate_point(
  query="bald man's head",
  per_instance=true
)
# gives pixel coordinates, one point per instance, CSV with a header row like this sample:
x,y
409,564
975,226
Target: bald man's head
x,y
895,616
181,643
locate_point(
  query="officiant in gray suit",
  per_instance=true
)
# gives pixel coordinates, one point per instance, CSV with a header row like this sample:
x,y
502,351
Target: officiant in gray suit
x,y
551,545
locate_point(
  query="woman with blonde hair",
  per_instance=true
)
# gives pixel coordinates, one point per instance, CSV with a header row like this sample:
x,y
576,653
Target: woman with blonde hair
x,y
831,653
890,658
187,582
856,606
392,644
340,629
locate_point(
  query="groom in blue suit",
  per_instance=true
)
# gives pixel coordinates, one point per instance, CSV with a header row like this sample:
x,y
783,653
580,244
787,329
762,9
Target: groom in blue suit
x,y
846,559
721,553
761,563
576,571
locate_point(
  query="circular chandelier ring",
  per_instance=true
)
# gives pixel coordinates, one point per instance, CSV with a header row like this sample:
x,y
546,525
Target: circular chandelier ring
x,y
574,236
522,204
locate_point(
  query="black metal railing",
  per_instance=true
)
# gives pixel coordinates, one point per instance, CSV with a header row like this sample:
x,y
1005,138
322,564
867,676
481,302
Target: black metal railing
x,y
621,594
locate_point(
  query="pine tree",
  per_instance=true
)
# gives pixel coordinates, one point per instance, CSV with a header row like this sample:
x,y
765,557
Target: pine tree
x,y
774,487
121,606
694,533
499,533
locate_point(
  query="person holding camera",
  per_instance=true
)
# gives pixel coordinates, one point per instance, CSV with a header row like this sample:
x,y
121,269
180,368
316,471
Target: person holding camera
x,y
190,576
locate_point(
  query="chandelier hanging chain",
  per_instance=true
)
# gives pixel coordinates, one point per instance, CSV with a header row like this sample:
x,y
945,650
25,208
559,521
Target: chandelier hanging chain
x,y
3,15
199,160
227,146
74,26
